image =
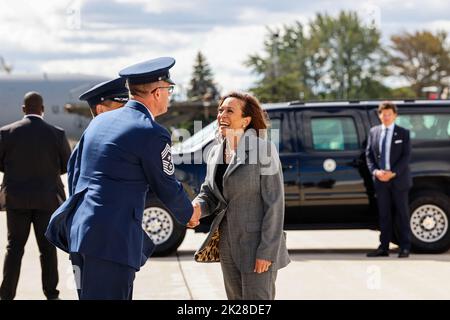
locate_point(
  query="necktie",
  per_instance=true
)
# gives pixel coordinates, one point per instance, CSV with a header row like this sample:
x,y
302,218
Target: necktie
x,y
383,150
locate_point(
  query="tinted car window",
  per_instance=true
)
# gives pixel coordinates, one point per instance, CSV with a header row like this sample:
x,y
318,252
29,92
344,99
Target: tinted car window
x,y
274,131
280,131
426,126
334,133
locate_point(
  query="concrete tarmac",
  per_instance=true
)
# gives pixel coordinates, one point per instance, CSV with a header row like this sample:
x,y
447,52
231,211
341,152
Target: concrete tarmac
x,y
325,265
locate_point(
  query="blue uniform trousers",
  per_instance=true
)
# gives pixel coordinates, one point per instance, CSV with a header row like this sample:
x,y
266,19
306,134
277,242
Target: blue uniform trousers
x,y
99,279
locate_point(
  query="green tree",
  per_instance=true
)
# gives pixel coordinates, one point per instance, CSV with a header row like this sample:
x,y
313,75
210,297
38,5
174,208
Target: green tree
x,y
402,93
422,58
353,54
202,86
339,58
282,70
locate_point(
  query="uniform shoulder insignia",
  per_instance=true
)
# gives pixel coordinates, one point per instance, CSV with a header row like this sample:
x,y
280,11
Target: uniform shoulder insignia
x,y
167,162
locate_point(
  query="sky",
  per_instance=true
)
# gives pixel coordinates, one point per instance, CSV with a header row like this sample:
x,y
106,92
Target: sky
x,y
100,37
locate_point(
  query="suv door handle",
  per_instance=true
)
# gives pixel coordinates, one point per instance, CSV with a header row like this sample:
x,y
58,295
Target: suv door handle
x,y
287,167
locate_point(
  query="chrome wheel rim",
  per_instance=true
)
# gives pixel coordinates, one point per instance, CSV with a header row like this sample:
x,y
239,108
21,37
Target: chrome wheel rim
x,y
429,223
158,224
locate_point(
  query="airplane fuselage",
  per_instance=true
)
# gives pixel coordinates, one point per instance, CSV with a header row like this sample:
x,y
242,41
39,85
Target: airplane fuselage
x,y
58,91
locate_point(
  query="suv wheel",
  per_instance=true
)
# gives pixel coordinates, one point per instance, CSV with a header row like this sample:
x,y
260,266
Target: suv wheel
x,y
165,232
430,217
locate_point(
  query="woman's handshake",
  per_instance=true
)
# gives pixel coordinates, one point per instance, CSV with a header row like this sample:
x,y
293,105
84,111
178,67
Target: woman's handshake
x,y
195,219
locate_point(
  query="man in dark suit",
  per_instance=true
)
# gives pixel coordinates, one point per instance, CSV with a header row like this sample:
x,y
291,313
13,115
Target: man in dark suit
x,y
387,154
33,155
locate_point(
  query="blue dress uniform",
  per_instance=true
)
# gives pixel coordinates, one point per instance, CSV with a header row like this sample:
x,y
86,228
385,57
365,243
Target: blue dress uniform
x,y
114,90
122,155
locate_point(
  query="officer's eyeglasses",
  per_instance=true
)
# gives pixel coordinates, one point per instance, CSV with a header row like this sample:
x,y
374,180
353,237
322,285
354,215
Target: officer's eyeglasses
x,y
169,89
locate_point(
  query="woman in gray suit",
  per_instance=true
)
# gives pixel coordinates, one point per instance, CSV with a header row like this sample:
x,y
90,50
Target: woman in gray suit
x,y
243,189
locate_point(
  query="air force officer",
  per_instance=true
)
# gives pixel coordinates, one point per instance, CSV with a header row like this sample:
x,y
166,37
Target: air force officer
x,y
123,154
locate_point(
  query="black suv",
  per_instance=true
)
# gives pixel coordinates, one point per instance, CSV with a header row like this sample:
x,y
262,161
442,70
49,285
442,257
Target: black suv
x,y
327,183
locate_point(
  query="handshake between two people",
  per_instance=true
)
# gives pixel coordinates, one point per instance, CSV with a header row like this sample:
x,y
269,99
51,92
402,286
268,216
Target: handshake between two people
x,y
384,175
261,265
195,219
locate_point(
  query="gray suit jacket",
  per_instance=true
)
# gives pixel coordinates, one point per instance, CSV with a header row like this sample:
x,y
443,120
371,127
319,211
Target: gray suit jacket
x,y
252,200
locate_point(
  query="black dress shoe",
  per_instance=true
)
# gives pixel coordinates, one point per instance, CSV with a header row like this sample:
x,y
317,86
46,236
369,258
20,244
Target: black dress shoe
x,y
378,253
404,253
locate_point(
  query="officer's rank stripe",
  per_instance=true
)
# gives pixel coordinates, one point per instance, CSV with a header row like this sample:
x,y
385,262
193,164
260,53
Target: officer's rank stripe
x,y
166,158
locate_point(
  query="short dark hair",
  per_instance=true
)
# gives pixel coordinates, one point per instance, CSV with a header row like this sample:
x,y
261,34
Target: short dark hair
x,y
33,100
387,105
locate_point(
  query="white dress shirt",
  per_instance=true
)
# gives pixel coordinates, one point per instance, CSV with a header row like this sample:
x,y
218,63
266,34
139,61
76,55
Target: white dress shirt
x,y
388,143
33,115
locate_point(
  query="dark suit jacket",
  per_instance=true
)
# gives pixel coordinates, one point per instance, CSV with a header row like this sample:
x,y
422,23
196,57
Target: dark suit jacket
x,y
399,158
33,155
121,156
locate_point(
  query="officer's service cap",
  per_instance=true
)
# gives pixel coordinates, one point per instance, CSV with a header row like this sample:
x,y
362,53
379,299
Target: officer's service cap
x,y
149,71
109,90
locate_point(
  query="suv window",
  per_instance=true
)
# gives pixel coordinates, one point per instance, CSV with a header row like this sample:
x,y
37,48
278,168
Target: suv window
x,y
426,126
334,133
274,131
280,131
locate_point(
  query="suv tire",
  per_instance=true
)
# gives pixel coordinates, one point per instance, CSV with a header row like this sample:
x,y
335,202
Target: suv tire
x,y
430,217
162,228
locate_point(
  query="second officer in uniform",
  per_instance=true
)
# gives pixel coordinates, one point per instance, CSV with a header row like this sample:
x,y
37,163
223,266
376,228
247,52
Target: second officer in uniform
x,y
124,155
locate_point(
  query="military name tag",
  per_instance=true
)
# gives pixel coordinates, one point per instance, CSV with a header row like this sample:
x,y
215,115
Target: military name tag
x,y
167,163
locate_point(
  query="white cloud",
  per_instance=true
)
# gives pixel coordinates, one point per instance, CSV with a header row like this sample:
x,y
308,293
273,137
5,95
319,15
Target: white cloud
x,y
36,26
161,6
261,16
54,36
226,48
438,25
107,67
49,16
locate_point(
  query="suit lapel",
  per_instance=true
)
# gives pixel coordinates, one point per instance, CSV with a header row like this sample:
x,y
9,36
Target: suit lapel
x,y
218,158
246,143
378,137
395,134
236,161
377,140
